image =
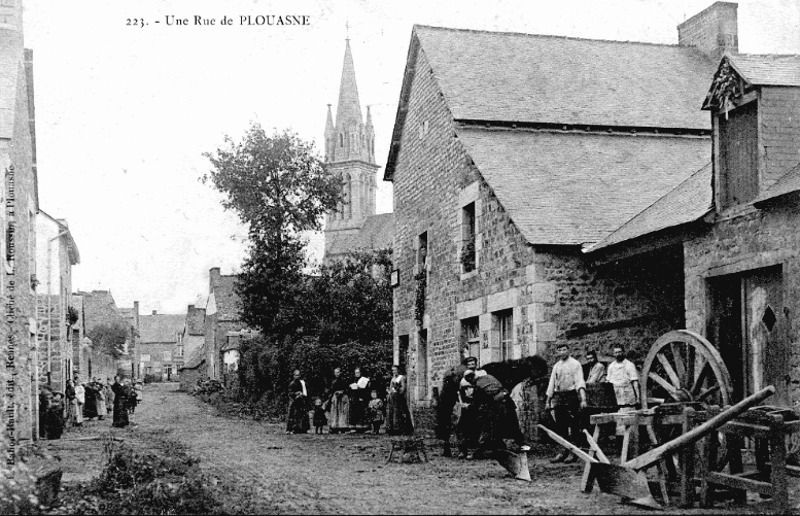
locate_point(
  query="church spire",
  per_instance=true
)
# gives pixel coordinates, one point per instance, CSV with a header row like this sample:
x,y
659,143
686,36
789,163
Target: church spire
x,y
330,136
348,113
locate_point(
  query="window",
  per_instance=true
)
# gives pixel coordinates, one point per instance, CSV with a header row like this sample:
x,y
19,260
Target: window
x,y
422,365
422,252
148,371
738,155
145,357
470,337
504,323
179,350
167,356
402,351
468,237
341,140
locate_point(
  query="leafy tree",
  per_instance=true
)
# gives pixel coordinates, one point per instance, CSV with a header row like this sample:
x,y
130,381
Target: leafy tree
x,y
110,338
277,186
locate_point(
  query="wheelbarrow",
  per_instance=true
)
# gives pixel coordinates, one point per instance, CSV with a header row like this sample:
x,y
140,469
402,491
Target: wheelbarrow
x,y
628,480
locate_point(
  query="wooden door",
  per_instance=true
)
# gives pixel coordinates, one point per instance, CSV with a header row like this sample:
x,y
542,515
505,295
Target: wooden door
x,y
766,332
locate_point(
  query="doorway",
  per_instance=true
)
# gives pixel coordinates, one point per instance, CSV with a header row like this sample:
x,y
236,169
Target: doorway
x,y
749,325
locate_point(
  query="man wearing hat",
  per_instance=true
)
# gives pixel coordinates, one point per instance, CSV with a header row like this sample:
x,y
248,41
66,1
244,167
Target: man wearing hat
x,y
498,412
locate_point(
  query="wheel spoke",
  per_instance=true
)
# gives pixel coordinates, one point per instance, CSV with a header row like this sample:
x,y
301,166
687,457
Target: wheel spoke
x,y
676,382
680,367
701,378
665,384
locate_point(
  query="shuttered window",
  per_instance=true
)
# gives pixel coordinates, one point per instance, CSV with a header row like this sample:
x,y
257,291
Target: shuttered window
x,y
738,155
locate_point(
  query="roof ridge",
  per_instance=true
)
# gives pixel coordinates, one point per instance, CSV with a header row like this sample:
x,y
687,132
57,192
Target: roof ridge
x,y
554,36
747,54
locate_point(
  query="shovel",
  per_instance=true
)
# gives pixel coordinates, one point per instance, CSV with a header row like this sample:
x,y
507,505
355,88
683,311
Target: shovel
x,y
516,464
628,480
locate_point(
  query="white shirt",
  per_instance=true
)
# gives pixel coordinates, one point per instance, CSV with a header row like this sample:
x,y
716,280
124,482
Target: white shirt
x,y
567,375
621,374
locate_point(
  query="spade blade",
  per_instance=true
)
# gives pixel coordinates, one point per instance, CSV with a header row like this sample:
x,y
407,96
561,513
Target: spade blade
x,y
516,464
624,482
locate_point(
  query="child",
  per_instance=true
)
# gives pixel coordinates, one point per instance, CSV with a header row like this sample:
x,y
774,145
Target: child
x,y
319,416
375,408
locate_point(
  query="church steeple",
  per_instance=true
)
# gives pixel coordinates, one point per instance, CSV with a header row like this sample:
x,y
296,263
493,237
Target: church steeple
x,y
350,154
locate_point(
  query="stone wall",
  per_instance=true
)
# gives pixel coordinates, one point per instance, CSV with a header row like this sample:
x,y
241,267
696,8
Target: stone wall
x,y
742,244
553,294
779,132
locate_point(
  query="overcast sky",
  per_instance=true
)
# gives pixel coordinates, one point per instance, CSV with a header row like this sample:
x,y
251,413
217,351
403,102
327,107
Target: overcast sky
x,y
124,113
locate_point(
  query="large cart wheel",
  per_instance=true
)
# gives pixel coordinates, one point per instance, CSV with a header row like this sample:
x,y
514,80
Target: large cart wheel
x,y
683,366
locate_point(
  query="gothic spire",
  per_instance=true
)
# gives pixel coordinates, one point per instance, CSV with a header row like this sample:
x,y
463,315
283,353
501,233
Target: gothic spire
x,y
348,113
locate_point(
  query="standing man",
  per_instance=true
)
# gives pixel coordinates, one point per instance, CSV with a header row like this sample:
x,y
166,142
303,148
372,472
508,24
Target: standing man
x,y
566,396
468,425
623,376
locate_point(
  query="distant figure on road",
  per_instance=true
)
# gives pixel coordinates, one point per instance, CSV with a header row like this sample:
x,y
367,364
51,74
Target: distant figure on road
x,y
297,418
338,403
130,397
72,405
398,417
109,396
80,399
120,404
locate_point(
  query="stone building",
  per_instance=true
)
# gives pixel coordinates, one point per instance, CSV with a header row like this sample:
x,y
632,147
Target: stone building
x,y
156,352
19,198
56,254
99,308
190,358
735,226
350,154
88,359
510,153
222,318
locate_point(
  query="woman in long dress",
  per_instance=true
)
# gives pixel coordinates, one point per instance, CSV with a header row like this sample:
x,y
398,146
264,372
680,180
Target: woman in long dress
x,y
339,403
398,417
359,400
120,404
90,401
297,419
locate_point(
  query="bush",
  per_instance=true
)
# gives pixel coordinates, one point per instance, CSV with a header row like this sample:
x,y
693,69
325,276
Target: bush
x,y
18,491
141,482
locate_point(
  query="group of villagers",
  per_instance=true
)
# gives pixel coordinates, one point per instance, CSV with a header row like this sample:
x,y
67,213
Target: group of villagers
x,y
87,401
350,405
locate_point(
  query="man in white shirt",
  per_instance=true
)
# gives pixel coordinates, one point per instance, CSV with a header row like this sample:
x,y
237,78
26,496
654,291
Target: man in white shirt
x,y
566,396
623,376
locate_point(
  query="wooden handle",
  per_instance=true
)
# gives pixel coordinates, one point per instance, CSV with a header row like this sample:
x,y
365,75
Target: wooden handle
x,y
568,445
593,445
648,459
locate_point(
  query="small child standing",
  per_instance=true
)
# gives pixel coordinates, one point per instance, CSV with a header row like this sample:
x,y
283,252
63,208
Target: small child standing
x,y
375,408
319,416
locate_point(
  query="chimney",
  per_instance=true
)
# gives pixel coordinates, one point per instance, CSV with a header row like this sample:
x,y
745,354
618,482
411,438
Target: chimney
x,y
155,312
713,31
191,308
136,308
214,278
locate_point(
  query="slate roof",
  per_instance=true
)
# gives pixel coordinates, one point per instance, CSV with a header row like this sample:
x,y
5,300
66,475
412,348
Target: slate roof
x,y
195,359
687,202
99,308
788,183
564,80
160,327
376,233
767,69
565,188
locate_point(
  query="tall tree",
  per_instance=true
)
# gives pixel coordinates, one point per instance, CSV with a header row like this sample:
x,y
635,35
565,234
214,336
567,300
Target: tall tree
x,y
110,338
277,186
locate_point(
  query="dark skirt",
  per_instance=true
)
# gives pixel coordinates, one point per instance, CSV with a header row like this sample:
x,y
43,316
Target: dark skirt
x,y
297,419
120,413
340,413
358,412
398,417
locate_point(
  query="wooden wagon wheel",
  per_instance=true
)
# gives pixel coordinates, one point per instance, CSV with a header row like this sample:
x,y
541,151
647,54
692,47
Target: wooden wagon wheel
x,y
683,366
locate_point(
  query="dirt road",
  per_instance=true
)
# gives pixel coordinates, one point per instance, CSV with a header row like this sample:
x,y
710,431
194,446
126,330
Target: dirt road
x,y
345,474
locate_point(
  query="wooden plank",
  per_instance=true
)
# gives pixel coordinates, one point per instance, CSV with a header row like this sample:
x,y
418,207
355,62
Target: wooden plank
x,y
593,445
568,445
680,366
737,482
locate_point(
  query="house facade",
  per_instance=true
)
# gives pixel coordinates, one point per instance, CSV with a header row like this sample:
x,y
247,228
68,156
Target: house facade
x,y
56,254
19,197
510,153
737,224
156,354
222,319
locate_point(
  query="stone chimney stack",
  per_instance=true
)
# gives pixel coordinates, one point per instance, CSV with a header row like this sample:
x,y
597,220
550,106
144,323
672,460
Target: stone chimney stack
x,y
213,278
155,312
713,31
